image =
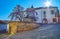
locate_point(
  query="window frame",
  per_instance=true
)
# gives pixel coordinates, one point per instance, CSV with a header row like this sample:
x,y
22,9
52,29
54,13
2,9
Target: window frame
x,y
52,12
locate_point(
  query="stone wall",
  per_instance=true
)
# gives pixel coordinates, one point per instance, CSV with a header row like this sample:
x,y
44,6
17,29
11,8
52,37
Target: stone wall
x,y
15,26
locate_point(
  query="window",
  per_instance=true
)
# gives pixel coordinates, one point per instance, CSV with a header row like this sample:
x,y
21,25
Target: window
x,y
44,12
52,11
28,14
36,13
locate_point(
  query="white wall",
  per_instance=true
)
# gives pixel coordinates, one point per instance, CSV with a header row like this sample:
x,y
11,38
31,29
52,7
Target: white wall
x,y
39,16
49,16
3,26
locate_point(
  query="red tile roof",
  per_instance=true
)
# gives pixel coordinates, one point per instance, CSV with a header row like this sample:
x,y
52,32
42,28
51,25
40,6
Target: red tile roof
x,y
2,22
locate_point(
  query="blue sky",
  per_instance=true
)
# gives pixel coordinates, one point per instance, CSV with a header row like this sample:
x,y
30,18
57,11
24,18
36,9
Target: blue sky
x,y
6,6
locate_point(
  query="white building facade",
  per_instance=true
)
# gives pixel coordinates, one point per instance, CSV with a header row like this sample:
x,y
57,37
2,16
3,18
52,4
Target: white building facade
x,y
45,14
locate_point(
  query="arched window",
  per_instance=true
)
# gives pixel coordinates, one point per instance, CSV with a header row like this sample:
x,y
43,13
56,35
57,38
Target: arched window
x,y
45,20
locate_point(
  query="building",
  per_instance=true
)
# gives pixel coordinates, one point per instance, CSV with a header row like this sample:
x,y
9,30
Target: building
x,y
59,18
30,15
43,14
3,27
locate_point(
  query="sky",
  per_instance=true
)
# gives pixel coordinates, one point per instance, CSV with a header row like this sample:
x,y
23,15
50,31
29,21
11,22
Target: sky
x,y
6,6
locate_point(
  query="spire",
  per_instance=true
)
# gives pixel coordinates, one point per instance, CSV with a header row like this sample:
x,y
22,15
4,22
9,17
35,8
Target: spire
x,y
32,6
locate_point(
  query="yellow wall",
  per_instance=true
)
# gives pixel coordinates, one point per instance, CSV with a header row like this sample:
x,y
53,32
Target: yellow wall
x,y
22,26
13,27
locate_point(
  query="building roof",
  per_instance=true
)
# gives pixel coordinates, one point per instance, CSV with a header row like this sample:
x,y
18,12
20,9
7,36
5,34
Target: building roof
x,y
31,9
3,22
45,7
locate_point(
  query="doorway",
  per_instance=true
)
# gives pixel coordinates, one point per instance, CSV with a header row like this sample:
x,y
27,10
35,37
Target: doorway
x,y
9,30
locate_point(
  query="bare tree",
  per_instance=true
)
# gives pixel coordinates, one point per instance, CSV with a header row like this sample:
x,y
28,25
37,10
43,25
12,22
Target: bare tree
x,y
17,13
